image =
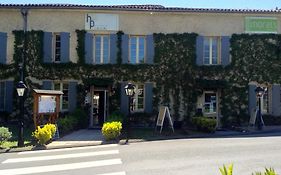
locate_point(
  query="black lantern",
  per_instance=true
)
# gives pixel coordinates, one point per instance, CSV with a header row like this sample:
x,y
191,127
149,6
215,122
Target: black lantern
x,y
130,92
21,88
259,92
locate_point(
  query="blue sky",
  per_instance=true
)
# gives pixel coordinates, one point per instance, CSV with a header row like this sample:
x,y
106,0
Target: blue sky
x,y
235,4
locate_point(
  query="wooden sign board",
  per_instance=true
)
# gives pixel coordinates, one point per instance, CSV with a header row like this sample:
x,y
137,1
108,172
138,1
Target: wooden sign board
x,y
163,113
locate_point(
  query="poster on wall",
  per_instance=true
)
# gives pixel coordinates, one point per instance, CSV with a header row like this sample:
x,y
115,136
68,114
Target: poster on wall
x,y
47,104
261,25
98,21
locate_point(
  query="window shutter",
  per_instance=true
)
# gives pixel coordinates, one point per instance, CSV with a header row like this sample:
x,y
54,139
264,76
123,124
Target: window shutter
x,y
65,37
113,48
252,98
149,49
89,48
125,48
9,96
48,47
276,108
72,96
148,89
225,47
47,85
199,50
3,48
124,100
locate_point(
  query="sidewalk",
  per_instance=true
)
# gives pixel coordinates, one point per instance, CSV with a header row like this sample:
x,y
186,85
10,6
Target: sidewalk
x,y
87,137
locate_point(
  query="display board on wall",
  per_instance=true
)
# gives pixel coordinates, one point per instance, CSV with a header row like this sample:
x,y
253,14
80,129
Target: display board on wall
x,y
261,25
99,21
47,104
164,113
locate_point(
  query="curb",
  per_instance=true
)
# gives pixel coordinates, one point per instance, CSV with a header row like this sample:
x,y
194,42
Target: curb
x,y
223,134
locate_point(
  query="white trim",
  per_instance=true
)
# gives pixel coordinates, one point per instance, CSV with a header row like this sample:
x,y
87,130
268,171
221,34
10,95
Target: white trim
x,y
102,36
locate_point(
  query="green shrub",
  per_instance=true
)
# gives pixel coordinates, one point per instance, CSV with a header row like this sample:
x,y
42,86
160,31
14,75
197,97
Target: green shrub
x,y
5,135
111,130
226,171
204,124
115,116
44,134
81,118
66,124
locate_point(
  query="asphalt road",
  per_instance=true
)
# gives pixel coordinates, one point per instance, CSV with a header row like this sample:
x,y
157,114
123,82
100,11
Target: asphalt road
x,y
176,157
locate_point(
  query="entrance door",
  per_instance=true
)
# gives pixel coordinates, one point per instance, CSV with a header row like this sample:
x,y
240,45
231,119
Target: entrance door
x,y
99,107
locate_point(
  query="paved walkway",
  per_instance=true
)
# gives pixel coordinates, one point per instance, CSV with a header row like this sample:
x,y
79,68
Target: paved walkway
x,y
86,137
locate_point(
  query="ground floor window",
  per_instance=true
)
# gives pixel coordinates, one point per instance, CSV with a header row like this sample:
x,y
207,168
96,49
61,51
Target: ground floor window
x,y
2,96
265,102
62,86
138,100
210,102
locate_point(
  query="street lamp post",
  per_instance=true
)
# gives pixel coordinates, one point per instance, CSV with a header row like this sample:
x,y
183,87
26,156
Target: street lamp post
x,y
259,91
130,92
21,86
20,90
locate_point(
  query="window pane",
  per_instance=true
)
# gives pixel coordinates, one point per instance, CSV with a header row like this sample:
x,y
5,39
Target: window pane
x,y
133,50
141,50
214,51
105,49
206,52
97,49
210,102
57,48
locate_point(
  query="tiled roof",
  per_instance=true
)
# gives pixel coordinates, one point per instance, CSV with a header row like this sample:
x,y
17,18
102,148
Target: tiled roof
x,y
152,8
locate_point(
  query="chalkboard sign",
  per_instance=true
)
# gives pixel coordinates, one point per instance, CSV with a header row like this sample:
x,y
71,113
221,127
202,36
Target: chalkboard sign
x,y
163,113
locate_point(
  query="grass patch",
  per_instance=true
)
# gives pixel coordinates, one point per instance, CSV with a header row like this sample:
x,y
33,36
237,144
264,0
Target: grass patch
x,y
12,143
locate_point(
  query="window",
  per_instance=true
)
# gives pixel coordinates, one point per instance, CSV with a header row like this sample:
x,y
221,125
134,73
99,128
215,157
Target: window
x,y
63,98
264,102
210,102
211,54
137,49
138,100
57,48
2,96
101,49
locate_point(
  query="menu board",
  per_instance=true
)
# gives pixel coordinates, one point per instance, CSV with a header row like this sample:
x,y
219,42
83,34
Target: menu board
x,y
47,104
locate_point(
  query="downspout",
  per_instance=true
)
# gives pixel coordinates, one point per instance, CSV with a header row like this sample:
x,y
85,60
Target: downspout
x,y
24,13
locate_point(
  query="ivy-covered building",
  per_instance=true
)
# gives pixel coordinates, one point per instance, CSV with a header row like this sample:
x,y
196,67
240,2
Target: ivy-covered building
x,y
189,59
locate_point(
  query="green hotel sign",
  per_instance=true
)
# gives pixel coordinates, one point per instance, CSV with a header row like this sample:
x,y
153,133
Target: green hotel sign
x,y
261,25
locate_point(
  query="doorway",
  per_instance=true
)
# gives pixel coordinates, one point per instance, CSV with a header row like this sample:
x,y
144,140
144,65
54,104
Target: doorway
x,y
99,107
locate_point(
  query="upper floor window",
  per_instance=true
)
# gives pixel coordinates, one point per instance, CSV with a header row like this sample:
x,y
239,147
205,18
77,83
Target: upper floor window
x,y
57,47
101,49
211,52
2,96
138,100
62,86
137,49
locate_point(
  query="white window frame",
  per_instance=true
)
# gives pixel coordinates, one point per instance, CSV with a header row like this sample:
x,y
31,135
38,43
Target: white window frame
x,y
210,56
204,102
2,83
61,97
101,48
136,99
137,49
55,46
